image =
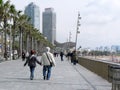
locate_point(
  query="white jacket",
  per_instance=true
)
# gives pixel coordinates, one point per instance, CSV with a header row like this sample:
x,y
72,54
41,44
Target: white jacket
x,y
44,59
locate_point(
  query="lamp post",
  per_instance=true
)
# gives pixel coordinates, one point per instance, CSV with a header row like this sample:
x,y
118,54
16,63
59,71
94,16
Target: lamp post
x,y
77,29
70,40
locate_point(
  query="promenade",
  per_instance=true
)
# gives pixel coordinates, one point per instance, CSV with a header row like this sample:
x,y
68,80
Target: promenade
x,y
65,76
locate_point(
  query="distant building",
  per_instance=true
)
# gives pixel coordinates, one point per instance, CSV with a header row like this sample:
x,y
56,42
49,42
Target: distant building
x,y
49,24
33,12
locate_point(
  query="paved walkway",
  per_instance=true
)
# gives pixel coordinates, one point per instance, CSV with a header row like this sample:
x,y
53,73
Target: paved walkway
x,y
65,76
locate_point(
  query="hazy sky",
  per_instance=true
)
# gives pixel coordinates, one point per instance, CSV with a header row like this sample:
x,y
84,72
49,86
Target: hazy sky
x,y
100,21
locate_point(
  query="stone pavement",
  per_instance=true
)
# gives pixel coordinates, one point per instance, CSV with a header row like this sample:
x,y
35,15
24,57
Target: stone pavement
x,y
65,76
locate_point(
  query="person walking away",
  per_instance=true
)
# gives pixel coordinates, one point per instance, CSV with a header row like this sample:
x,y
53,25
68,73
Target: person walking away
x,y
27,55
48,61
23,55
32,63
61,55
68,55
73,57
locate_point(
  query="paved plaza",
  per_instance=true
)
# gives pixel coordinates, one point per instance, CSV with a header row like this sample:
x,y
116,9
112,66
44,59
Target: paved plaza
x,y
65,76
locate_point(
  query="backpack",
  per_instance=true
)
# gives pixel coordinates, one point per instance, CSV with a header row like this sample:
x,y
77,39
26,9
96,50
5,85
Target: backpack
x,y
32,61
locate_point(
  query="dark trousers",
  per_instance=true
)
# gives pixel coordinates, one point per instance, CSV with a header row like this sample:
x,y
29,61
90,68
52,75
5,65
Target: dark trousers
x,y
74,62
61,58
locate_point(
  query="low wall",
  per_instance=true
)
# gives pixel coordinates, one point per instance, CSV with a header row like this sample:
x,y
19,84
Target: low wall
x,y
99,67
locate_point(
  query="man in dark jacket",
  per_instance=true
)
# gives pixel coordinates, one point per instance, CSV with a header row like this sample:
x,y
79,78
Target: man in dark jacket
x,y
32,63
61,55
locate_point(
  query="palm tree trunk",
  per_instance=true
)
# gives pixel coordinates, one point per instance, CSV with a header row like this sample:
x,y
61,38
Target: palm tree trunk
x,y
10,43
5,33
27,43
2,42
35,44
20,42
14,39
32,43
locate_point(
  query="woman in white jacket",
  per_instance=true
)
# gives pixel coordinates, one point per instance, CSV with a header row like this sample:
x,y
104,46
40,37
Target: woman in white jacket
x,y
47,60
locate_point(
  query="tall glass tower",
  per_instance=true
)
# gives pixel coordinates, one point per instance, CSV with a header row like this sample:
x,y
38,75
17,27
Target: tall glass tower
x,y
33,12
49,24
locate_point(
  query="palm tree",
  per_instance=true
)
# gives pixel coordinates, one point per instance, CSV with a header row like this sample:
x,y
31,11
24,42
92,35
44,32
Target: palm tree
x,y
20,27
1,15
15,15
4,16
23,19
1,11
27,38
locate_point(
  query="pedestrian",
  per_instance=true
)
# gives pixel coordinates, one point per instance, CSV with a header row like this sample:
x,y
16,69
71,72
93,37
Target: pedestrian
x,y
23,55
73,57
48,61
27,55
32,63
68,55
61,55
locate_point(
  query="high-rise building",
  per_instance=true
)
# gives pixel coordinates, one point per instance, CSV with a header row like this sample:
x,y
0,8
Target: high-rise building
x,y
33,12
49,24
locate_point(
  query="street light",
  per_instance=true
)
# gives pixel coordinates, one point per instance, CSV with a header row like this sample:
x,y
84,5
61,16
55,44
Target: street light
x,y
69,40
77,32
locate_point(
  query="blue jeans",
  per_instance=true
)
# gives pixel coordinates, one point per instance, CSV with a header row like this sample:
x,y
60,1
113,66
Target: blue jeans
x,y
47,70
32,69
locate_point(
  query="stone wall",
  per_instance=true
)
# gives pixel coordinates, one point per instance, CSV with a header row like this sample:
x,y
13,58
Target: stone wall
x,y
100,67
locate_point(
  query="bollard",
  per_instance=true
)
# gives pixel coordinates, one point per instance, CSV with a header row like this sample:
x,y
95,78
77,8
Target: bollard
x,y
114,76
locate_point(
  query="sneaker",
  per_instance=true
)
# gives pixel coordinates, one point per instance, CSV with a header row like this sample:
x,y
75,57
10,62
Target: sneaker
x,y
48,79
31,78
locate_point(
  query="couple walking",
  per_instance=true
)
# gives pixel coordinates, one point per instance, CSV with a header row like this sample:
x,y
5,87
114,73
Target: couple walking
x,y
47,61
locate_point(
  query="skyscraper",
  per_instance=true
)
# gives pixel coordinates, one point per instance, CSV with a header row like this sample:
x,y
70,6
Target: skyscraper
x,y
49,24
33,12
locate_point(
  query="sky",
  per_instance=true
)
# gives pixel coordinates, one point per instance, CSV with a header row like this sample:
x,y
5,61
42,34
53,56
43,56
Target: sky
x,y
100,20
